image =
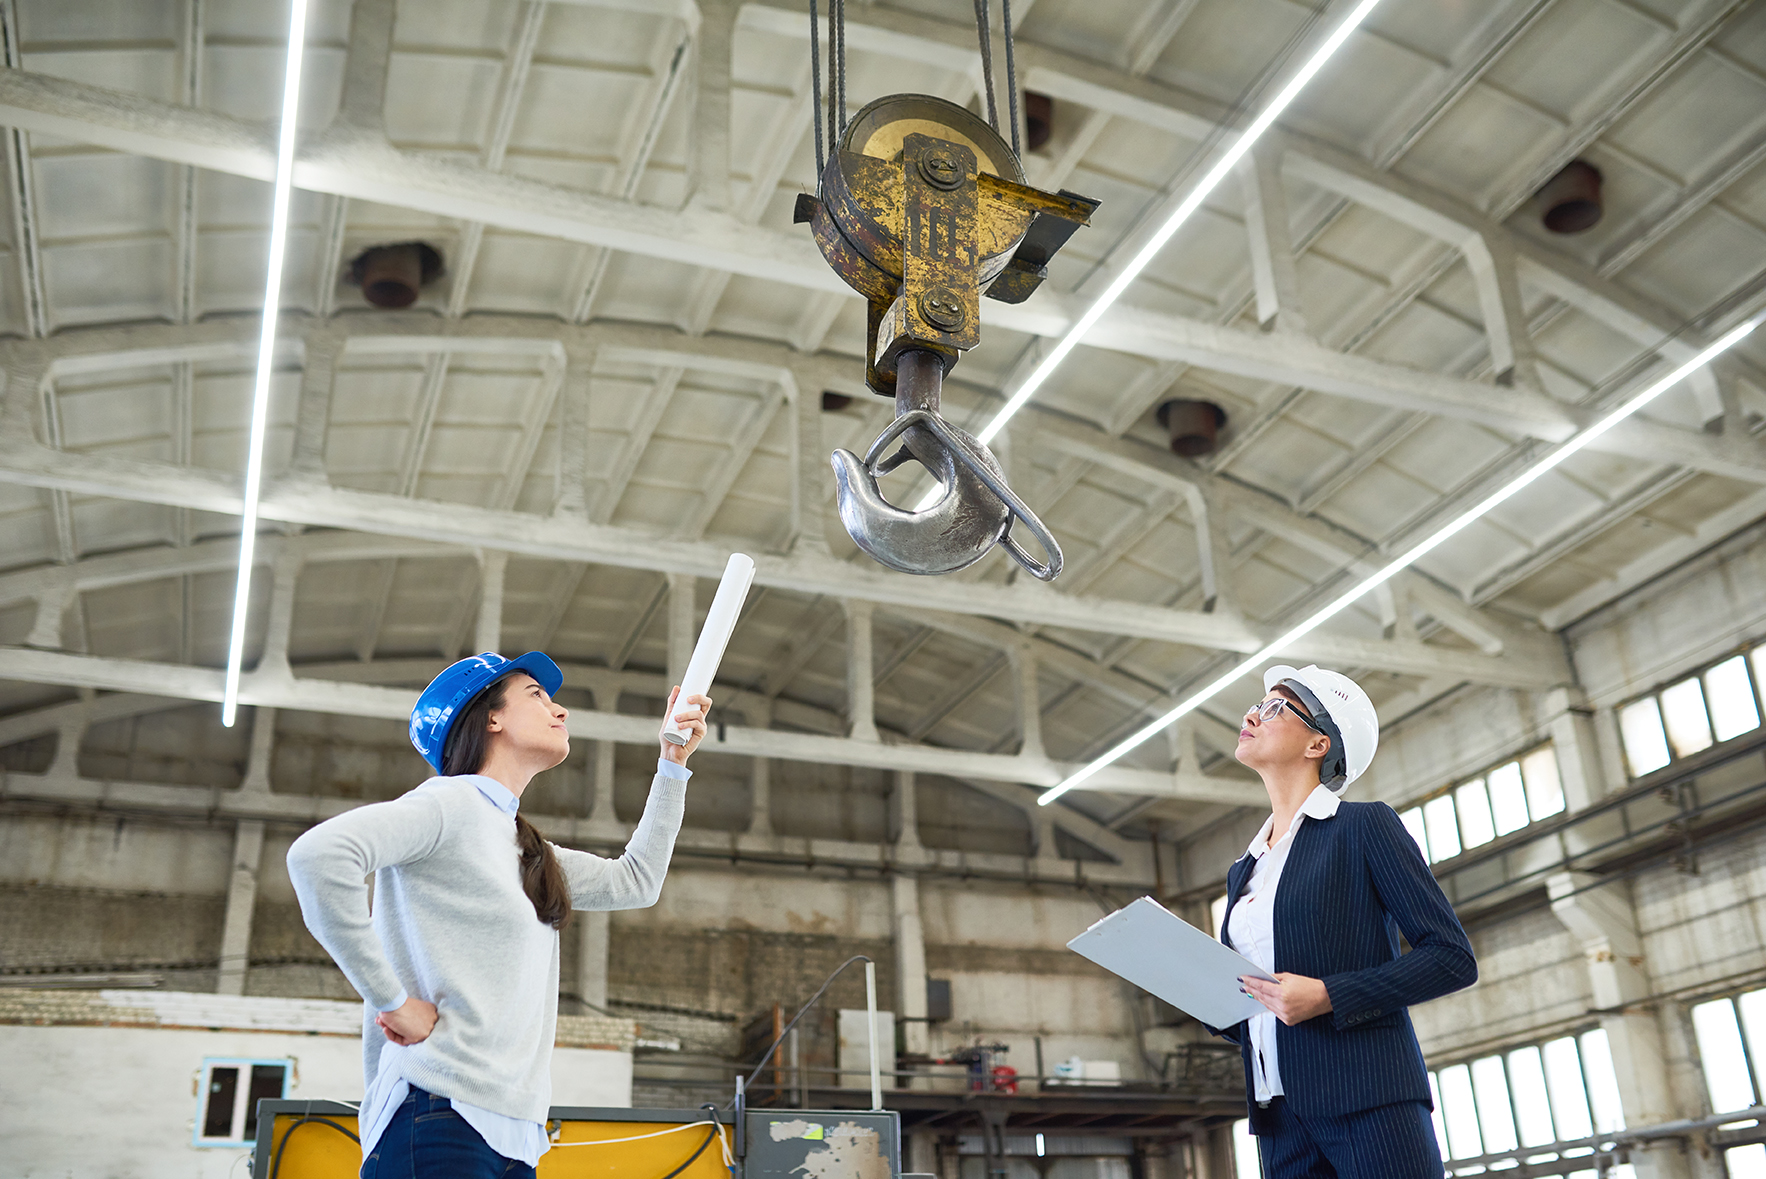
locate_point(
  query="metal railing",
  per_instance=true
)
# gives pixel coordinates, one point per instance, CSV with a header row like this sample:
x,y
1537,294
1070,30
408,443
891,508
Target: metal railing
x,y
1603,1152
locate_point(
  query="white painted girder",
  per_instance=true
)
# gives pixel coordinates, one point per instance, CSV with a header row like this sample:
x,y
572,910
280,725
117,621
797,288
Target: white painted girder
x,y
278,690
755,849
300,501
300,498
354,162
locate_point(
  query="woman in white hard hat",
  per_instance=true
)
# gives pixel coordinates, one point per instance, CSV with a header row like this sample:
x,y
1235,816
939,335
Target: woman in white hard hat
x,y
458,964
1333,1074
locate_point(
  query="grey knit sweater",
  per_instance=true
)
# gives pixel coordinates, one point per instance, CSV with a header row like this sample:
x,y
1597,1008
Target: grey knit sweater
x,y
451,925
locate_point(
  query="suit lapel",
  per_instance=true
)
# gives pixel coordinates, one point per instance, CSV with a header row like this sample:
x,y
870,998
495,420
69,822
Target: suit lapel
x,y
1235,884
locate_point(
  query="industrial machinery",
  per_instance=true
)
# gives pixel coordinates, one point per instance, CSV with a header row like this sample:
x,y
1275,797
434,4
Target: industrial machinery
x,y
922,208
317,1140
588,1143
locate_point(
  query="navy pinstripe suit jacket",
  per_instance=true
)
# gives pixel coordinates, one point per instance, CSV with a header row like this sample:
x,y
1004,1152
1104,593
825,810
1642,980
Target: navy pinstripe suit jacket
x,y
1351,884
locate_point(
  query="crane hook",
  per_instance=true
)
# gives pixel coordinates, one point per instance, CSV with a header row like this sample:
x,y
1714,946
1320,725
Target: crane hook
x,y
975,511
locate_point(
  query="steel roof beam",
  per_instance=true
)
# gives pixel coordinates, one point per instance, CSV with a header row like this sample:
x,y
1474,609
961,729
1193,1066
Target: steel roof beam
x,y
275,688
348,161
302,498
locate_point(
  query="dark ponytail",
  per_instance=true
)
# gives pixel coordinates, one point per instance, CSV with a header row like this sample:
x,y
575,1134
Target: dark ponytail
x,y
468,742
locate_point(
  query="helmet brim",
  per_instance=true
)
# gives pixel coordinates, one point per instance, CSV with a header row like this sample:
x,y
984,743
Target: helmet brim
x,y
432,720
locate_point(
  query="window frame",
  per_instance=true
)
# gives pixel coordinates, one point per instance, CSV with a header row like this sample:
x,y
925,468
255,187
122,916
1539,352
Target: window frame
x,y
242,1113
1451,792
1501,1055
1756,1067
1753,660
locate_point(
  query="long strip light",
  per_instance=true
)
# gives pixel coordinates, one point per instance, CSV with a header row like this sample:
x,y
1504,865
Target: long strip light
x,y
1410,556
260,393
1184,211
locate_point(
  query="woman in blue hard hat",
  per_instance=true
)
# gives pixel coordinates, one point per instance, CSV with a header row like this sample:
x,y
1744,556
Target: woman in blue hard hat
x,y
1333,1074
458,961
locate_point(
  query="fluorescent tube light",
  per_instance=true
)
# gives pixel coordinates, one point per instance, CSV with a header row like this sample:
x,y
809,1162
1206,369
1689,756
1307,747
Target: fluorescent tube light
x,y
1179,215
1222,168
260,393
1410,556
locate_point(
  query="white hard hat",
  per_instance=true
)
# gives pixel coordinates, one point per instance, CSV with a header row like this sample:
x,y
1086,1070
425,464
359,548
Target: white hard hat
x,y
1336,702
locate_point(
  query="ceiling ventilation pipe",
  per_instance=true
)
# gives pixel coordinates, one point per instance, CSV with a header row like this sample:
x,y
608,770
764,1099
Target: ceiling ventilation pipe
x,y
391,276
1570,201
1194,426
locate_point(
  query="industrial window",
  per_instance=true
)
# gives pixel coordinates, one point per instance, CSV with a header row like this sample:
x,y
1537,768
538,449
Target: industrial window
x,y
1471,814
1245,1163
228,1090
1539,1095
1731,1034
1717,704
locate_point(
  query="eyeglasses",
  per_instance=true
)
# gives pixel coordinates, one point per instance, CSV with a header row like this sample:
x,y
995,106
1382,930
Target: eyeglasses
x,y
1269,709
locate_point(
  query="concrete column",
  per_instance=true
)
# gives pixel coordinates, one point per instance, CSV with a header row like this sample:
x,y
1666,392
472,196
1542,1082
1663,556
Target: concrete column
x,y
760,781
601,784
242,895
52,607
921,1149
365,65
1604,922
489,634
1512,358
910,961
860,699
280,619
313,414
1571,725
1213,554
811,476
1272,243
1043,825
711,114
904,817
591,968
570,497
1215,1154
24,385
69,734
1029,701
682,588
263,746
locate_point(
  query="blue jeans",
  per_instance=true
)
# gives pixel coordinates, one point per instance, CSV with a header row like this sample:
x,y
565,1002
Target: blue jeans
x,y
426,1139
1386,1142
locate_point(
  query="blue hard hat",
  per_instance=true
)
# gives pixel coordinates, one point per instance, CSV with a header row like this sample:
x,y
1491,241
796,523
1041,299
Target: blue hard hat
x,y
458,683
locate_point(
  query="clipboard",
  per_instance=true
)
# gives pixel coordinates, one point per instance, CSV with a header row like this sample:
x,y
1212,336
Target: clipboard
x,y
1158,951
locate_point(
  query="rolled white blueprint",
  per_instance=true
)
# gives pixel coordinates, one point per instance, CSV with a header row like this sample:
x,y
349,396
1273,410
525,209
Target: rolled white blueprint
x,y
720,621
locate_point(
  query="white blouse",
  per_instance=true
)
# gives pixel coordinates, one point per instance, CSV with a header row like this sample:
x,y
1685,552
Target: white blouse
x,y
1251,929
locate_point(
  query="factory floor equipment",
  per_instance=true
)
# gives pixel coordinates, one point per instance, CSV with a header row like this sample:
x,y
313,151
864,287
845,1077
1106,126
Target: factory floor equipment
x,y
317,1140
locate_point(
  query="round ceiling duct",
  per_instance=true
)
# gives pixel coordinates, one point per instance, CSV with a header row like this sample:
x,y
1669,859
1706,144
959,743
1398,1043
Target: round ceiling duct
x,y
391,276
1194,426
1571,200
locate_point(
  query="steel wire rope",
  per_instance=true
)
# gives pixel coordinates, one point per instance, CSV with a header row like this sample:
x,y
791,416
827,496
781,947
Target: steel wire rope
x,y
840,5
1011,80
984,36
815,91
800,1011
1240,107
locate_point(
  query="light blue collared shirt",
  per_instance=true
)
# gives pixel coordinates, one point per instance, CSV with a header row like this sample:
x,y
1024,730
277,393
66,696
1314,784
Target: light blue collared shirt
x,y
513,1138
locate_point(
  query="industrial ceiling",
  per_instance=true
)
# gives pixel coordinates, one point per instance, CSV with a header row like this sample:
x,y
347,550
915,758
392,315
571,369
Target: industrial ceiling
x,y
624,371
